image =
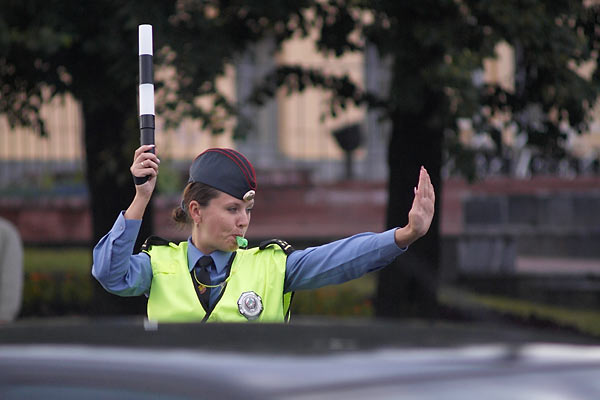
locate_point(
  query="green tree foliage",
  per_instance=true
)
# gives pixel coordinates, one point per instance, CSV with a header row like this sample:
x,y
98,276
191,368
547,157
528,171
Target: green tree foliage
x,y
435,49
90,50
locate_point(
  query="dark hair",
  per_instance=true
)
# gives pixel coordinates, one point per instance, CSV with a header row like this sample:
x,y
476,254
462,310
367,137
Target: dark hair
x,y
198,191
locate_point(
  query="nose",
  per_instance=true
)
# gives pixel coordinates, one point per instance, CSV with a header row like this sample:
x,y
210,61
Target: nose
x,y
244,219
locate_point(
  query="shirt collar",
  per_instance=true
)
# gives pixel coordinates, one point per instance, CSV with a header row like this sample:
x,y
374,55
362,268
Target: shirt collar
x,y
219,257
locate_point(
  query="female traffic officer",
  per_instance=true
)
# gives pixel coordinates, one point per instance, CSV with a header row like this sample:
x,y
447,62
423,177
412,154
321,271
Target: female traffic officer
x,y
210,277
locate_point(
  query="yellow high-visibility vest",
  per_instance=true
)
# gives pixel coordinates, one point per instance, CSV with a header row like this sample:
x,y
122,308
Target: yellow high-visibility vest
x,y
257,276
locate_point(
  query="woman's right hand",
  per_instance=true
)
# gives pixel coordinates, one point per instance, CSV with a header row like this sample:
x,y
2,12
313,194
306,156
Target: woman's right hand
x,y
145,163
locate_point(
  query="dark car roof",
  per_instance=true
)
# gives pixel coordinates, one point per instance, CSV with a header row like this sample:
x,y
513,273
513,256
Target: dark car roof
x,y
349,360
313,335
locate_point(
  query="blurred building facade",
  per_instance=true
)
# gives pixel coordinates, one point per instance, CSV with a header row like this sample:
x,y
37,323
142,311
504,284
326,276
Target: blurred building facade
x,y
302,168
290,132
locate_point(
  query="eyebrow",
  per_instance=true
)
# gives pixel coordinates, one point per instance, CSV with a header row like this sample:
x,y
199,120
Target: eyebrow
x,y
239,204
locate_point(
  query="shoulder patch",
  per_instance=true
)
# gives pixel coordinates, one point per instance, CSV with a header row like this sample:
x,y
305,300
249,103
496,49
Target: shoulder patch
x,y
154,241
285,246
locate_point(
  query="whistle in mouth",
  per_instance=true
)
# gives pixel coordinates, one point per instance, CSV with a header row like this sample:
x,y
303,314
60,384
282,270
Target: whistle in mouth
x,y
241,242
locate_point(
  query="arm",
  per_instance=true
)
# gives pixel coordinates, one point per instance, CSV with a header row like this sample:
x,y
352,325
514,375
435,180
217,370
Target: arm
x,y
340,261
350,258
11,271
114,266
117,270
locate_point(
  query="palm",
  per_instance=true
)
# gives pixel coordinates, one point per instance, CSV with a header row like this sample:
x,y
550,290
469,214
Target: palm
x,y
421,212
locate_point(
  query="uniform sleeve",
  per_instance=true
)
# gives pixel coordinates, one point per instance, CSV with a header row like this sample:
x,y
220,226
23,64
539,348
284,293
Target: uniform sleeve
x,y
117,270
340,261
11,271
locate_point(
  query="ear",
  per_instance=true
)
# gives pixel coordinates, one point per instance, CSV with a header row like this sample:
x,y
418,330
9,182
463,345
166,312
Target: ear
x,y
196,211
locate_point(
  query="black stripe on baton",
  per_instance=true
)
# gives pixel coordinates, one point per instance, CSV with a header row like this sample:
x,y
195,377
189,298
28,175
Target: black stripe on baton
x,y
146,70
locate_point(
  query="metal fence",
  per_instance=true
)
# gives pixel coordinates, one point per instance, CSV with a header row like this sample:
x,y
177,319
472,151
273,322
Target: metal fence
x,y
30,162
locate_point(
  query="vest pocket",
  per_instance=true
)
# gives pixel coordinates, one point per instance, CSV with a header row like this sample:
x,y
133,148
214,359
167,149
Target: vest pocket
x,y
164,268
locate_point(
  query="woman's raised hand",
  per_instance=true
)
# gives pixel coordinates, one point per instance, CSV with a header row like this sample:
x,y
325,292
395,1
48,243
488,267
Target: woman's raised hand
x,y
145,163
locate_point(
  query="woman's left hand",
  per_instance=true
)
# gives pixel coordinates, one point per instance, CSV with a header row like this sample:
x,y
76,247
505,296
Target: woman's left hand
x,y
421,212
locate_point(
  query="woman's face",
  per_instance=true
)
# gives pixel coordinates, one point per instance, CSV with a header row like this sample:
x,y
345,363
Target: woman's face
x,y
218,224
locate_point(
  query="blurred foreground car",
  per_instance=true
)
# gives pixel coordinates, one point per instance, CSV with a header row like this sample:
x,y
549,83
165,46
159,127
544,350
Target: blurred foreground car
x,y
131,359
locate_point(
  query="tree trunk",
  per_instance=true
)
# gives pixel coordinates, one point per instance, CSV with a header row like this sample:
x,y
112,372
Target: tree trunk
x,y
111,135
408,287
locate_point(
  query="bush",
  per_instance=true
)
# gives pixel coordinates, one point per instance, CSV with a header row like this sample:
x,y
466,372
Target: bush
x,y
57,282
56,293
351,299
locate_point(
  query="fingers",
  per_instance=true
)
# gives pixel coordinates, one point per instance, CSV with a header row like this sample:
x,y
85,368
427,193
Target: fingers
x,y
149,163
427,182
145,163
143,153
421,189
424,189
145,167
143,149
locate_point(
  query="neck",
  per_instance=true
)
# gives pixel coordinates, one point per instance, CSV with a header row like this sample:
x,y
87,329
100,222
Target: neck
x,y
199,244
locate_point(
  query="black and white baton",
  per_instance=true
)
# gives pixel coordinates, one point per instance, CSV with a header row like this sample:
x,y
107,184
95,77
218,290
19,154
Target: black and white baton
x,y
146,91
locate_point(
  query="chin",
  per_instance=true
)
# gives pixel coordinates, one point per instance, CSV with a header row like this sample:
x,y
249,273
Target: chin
x,y
229,246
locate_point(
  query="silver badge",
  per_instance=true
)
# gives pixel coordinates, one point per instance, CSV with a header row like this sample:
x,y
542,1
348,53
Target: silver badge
x,y
250,305
249,195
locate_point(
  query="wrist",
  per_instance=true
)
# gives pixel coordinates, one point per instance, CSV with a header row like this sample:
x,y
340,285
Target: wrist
x,y
405,236
137,207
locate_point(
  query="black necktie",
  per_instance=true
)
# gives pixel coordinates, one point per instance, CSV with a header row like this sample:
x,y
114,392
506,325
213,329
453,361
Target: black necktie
x,y
201,277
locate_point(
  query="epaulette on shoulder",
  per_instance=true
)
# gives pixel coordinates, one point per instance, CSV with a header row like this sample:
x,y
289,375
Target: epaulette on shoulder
x,y
285,246
154,241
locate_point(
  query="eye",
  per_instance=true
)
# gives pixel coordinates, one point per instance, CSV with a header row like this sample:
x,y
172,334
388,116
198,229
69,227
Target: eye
x,y
232,209
248,210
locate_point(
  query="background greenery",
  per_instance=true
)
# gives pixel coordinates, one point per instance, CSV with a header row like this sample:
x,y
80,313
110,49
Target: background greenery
x,y
58,282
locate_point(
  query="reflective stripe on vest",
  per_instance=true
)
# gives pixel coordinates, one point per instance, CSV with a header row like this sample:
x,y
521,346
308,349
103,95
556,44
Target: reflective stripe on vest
x,y
173,298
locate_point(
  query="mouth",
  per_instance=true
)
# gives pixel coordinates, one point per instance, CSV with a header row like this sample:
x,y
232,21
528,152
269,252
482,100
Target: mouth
x,y
233,237
238,240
